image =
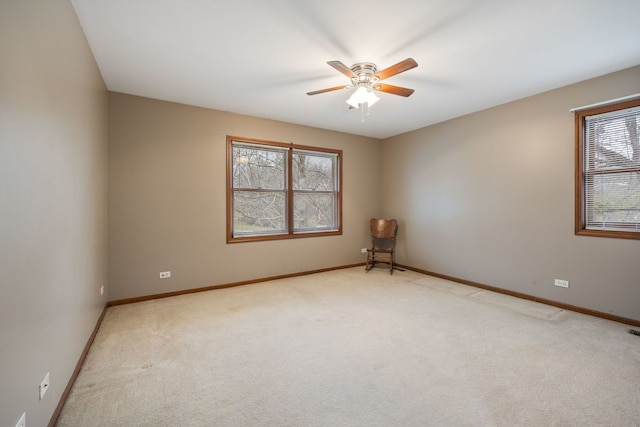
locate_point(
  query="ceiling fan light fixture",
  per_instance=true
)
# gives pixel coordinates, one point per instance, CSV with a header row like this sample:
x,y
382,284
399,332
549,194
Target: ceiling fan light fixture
x,y
361,96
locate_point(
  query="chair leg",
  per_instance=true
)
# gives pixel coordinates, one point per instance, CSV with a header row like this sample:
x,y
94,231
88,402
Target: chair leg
x,y
370,261
391,264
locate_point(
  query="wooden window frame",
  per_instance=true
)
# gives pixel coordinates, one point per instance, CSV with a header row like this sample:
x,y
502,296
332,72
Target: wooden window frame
x,y
289,233
581,227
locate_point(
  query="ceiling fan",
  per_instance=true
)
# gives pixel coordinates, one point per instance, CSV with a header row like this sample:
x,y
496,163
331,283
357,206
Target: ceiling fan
x,y
365,78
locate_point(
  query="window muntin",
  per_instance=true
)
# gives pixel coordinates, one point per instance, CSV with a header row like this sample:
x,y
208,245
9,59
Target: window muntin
x,y
608,171
279,191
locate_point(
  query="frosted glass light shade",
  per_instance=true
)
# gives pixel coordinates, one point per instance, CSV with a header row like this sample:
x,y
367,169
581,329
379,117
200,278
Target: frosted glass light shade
x,y
362,95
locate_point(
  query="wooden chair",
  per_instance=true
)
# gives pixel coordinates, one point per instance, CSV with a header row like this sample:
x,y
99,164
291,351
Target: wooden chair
x,y
383,243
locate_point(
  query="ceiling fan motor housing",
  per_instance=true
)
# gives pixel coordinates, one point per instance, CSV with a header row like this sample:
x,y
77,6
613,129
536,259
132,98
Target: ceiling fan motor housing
x,y
365,73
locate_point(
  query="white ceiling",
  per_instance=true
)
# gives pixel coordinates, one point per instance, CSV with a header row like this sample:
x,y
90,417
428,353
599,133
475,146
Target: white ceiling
x,y
259,57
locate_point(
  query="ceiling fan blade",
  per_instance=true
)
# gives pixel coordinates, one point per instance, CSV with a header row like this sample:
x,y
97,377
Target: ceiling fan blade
x,y
400,67
343,69
395,90
331,89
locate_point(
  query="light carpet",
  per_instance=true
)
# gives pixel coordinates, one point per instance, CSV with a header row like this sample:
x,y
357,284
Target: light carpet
x,y
349,348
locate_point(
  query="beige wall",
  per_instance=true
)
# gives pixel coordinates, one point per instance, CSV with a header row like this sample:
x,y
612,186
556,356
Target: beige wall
x,y
489,197
167,183
53,202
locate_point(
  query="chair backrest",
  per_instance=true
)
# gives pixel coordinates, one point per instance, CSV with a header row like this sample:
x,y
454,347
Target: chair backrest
x,y
384,228
383,233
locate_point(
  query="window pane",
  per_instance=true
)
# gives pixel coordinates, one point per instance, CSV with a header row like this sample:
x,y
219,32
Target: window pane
x,y
613,140
259,212
609,140
314,211
615,198
314,171
258,168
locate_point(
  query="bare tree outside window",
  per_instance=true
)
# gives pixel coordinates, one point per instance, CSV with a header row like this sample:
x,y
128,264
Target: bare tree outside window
x,y
281,190
259,198
314,186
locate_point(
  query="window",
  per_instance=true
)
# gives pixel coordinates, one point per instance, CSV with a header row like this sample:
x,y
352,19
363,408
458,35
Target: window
x,y
281,191
608,170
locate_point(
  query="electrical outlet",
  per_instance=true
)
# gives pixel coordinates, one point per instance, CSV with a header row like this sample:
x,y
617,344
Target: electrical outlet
x,y
165,274
22,422
101,290
561,283
363,250
44,385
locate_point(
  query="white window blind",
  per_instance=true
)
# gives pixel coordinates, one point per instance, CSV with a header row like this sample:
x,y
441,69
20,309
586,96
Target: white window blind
x,y
611,170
